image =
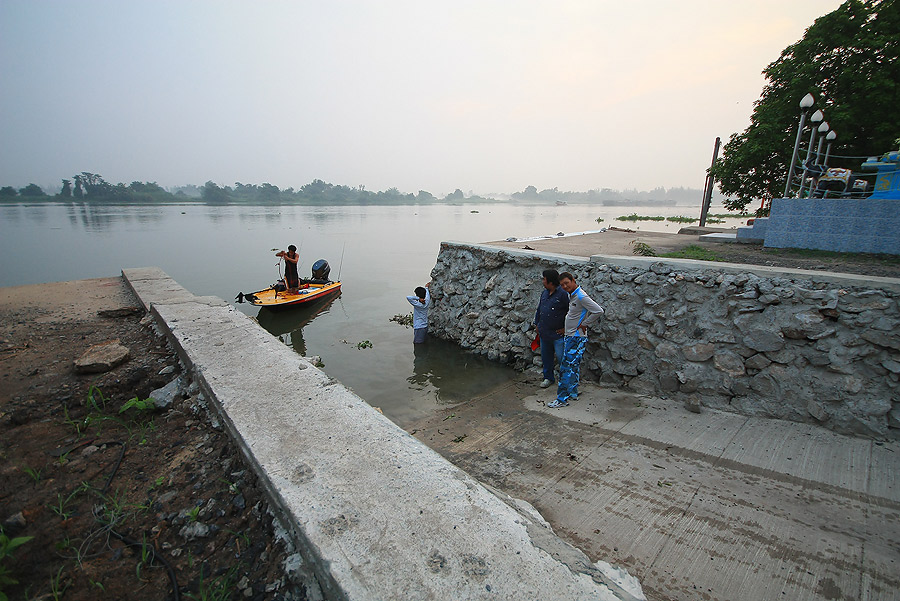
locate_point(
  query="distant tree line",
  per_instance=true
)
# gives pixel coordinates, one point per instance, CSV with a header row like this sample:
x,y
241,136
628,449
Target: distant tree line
x,y
91,187
610,196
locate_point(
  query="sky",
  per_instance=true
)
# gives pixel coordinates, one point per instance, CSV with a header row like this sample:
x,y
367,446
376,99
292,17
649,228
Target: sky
x,y
487,96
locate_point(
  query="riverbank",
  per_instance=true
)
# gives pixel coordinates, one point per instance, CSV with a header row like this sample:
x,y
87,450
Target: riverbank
x,y
93,483
571,469
622,242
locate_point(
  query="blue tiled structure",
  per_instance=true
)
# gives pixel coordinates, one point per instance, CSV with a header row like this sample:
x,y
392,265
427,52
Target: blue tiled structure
x,y
755,233
887,182
868,225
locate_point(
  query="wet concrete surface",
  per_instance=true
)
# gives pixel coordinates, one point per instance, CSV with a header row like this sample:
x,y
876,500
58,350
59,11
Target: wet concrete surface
x,y
715,506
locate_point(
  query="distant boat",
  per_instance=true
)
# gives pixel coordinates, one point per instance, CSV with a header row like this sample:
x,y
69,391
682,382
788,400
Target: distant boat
x,y
561,203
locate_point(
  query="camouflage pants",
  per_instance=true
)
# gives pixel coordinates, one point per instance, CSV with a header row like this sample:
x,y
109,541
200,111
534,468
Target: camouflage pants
x,y
570,368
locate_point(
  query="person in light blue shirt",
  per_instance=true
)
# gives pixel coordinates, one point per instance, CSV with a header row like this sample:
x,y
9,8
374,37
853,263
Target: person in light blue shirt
x,y
420,303
583,311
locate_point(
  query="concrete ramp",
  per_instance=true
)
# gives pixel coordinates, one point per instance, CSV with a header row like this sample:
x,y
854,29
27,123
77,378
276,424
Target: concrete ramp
x,y
375,513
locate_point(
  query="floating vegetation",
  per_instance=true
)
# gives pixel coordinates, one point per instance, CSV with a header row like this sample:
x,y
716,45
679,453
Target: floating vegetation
x,y
636,217
600,220
363,344
681,219
403,320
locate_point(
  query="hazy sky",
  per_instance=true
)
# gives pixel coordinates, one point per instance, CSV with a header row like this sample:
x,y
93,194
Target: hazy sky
x,y
486,95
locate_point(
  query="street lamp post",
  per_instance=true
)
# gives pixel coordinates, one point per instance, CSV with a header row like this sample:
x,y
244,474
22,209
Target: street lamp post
x,y
805,105
830,137
815,119
822,129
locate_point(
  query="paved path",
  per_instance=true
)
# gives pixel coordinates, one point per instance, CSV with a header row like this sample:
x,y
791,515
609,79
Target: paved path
x,y
713,506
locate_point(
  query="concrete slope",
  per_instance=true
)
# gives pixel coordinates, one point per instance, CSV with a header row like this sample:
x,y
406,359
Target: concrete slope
x,y
716,506
376,513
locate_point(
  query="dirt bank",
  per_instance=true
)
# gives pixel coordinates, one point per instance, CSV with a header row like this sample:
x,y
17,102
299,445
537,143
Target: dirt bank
x,y
620,242
121,503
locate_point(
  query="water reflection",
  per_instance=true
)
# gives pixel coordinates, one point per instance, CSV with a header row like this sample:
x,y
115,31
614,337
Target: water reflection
x,y
454,374
93,218
288,325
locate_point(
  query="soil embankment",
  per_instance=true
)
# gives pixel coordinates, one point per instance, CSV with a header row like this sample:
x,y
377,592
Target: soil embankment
x,y
120,502
622,242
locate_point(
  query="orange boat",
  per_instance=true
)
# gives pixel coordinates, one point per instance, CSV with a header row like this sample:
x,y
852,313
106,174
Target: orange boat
x,y
277,296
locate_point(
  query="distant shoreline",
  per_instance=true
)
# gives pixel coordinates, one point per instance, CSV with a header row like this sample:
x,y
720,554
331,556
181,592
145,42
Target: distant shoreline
x,y
473,201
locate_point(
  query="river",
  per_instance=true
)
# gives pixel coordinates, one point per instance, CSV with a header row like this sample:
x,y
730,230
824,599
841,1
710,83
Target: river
x,y
381,253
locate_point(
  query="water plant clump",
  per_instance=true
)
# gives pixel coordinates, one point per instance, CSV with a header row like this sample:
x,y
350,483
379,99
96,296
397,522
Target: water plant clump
x,y
403,319
636,217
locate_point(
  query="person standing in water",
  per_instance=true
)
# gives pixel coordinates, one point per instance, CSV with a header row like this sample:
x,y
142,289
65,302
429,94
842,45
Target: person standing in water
x,y
291,277
420,303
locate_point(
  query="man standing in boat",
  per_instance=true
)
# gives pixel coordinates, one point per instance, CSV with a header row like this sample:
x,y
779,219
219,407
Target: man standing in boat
x,y
420,303
291,277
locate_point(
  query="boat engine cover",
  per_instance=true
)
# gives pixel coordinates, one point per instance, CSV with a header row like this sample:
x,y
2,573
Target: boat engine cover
x,y
321,270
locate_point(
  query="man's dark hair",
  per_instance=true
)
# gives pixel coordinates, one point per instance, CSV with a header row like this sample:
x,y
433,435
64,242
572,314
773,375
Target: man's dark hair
x,y
566,275
292,248
420,292
552,276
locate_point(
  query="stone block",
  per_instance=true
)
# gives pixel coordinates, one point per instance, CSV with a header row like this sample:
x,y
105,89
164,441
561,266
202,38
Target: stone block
x,y
102,357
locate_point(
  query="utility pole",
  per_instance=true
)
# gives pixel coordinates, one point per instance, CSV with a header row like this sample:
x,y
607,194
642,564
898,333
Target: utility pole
x,y
708,187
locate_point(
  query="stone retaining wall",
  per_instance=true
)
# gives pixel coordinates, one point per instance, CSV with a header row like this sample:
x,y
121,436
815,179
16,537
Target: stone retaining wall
x,y
789,344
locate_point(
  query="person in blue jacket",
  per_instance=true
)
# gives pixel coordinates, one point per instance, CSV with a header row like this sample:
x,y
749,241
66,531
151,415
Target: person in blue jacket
x,y
420,303
550,318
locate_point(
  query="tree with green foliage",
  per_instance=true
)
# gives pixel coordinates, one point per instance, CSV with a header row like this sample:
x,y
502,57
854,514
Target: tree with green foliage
x,y
213,194
66,191
849,60
31,190
8,191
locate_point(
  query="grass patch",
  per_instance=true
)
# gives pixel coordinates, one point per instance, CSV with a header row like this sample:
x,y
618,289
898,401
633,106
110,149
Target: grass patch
x,y
698,253
810,253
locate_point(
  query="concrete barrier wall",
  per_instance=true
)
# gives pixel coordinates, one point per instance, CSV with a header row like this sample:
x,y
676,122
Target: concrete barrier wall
x,y
790,344
375,513
863,225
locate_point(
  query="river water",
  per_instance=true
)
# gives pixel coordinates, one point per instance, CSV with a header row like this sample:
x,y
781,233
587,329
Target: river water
x,y
381,253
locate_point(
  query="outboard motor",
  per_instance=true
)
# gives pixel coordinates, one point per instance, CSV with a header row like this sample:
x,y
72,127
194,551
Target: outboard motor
x,y
321,270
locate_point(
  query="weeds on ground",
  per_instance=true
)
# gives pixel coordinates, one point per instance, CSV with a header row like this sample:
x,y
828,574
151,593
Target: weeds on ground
x,y
34,474
217,589
809,253
643,249
697,253
7,547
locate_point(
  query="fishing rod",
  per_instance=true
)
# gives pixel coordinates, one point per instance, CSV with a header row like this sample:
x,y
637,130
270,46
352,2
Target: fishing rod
x,y
341,266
